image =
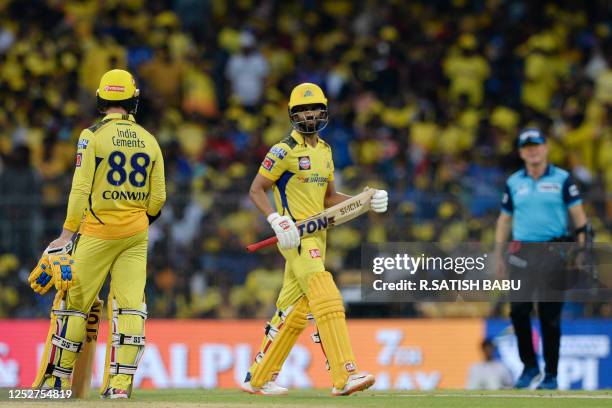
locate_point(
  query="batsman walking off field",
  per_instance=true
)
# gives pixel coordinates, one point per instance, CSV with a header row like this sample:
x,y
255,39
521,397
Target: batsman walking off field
x,y
300,169
118,189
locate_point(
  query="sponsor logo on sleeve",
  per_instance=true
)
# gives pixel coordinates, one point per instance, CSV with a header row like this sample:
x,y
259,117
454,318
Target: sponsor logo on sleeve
x,y
304,162
315,253
278,152
82,145
268,163
79,157
573,190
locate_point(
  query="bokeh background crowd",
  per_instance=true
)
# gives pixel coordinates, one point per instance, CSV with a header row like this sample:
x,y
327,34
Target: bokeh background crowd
x,y
425,99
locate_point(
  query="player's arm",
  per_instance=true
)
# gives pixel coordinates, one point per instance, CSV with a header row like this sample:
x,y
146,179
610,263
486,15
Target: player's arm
x,y
333,197
157,196
504,221
579,219
378,203
270,170
283,226
258,193
502,231
81,188
573,200
502,234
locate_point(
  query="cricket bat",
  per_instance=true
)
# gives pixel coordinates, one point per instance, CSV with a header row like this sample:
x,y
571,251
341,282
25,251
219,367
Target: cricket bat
x,y
332,216
82,373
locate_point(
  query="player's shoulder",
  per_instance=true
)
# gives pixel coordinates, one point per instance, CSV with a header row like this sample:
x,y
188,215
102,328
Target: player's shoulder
x,y
143,131
558,172
288,142
516,176
93,129
325,144
279,150
88,133
283,148
152,144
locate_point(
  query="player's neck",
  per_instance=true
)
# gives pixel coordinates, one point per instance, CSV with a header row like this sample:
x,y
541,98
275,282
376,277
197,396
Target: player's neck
x,y
311,139
116,110
536,171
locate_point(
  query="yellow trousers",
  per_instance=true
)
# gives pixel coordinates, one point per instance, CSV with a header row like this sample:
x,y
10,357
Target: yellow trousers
x,y
301,263
94,258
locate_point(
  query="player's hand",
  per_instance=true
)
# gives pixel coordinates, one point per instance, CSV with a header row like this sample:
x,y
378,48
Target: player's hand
x,y
285,230
581,260
379,201
63,272
41,277
62,245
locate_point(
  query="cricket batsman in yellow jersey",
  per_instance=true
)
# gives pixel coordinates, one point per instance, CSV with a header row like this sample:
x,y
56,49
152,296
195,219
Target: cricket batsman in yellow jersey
x,y
300,169
118,189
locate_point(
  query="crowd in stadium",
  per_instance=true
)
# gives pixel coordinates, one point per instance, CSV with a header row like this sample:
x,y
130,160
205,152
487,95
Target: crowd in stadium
x,y
425,99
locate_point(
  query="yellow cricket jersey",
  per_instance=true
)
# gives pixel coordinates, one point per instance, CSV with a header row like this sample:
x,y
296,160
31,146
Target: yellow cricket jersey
x,y
119,178
301,173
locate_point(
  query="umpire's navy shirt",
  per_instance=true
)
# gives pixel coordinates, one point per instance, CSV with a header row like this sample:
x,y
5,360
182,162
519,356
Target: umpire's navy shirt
x,y
539,207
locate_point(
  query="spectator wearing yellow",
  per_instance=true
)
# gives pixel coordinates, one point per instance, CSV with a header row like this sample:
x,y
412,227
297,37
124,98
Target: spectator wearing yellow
x,y
467,71
542,72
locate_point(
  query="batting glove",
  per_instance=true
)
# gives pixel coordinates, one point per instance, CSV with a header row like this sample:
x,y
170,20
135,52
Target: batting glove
x,y
379,201
285,230
41,278
63,272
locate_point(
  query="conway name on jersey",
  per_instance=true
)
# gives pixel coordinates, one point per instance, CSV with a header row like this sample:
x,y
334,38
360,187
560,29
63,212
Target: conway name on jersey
x,y
119,178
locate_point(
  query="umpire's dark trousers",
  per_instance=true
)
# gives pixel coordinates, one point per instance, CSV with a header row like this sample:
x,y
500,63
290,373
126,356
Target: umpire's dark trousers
x,y
550,323
543,271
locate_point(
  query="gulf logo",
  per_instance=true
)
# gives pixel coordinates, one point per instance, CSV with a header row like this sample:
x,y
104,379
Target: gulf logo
x,y
304,163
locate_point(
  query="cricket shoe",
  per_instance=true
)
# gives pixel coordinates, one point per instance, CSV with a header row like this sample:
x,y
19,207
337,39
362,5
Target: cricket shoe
x,y
529,377
115,393
355,382
269,388
549,383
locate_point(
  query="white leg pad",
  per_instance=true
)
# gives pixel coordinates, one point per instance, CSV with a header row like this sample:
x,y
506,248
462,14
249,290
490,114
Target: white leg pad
x,y
120,339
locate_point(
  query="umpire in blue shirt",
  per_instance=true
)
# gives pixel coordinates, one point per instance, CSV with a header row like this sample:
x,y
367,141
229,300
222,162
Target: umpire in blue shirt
x,y
535,208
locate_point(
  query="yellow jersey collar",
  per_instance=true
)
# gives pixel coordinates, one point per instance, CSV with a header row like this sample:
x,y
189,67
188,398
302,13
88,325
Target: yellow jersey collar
x,y
120,116
297,136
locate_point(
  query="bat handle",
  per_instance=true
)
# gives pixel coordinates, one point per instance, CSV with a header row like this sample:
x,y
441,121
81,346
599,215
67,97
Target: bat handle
x,y
262,244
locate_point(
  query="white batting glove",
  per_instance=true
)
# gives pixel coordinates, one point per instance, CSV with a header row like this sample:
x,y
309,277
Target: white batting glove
x,y
379,201
285,230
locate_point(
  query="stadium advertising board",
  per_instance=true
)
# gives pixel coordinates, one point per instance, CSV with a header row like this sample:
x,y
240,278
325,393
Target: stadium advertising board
x,y
403,354
584,362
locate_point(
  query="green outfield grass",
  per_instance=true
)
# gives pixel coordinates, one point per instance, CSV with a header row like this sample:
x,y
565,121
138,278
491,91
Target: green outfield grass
x,y
321,398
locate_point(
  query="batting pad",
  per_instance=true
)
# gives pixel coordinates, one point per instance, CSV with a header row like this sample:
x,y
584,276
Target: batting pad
x,y
82,371
125,344
64,341
328,310
281,333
